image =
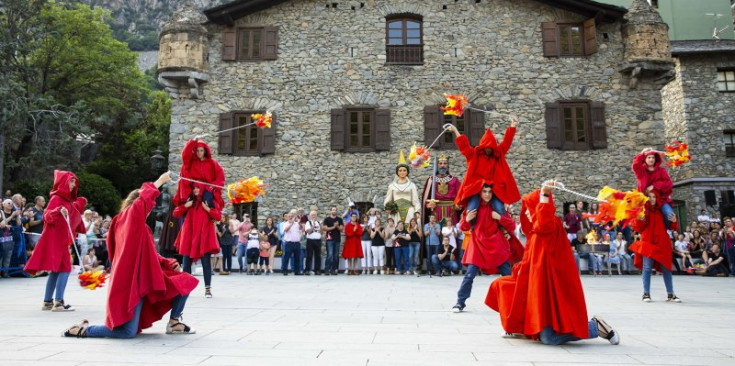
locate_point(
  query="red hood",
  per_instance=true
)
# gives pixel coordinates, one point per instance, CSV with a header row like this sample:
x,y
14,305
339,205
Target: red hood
x,y
649,206
61,185
207,151
530,202
658,159
488,141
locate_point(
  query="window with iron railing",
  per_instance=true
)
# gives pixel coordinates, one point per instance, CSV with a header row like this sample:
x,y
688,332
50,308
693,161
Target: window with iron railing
x,y
404,41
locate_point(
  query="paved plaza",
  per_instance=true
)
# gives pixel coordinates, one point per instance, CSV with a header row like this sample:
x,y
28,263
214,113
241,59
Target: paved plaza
x,y
373,320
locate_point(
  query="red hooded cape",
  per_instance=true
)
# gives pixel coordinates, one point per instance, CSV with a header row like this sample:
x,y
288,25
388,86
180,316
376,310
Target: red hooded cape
x,y
206,170
544,289
658,178
353,246
138,270
52,249
487,247
482,168
655,242
197,235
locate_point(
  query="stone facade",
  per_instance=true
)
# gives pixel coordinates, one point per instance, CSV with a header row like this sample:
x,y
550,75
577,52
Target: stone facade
x,y
330,57
697,113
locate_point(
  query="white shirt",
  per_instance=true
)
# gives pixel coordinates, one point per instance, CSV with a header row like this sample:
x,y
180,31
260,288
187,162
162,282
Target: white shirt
x,y
704,218
316,234
681,246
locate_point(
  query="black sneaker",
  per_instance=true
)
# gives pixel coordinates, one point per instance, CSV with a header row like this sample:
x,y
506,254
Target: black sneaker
x,y
673,298
457,308
646,297
606,331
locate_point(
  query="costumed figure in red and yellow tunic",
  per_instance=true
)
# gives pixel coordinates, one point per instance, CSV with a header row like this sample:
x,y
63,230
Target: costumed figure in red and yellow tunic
x,y
440,192
543,298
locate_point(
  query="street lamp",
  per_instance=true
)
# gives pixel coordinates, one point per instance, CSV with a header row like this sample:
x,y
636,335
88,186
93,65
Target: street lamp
x,y
157,161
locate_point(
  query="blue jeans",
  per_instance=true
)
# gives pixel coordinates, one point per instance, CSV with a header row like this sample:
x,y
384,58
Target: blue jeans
x,y
432,251
592,262
240,255
666,210
498,206
550,337
440,265
413,255
402,258
465,289
298,261
56,280
206,267
130,329
332,261
576,259
293,248
226,258
668,281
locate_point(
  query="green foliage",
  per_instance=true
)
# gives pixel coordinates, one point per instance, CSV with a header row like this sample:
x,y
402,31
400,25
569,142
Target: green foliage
x,y
32,188
101,195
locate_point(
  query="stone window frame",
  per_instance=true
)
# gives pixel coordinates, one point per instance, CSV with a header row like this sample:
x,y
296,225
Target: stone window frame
x,y
380,121
595,128
728,77
729,145
404,53
551,35
360,134
434,120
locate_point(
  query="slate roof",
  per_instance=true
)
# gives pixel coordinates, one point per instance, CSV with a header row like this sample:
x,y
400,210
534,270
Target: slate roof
x,y
702,46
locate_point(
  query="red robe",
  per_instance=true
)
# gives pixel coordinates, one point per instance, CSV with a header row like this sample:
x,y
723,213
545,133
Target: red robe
x,y
138,270
655,242
197,235
544,289
206,170
52,249
483,169
488,248
658,178
353,245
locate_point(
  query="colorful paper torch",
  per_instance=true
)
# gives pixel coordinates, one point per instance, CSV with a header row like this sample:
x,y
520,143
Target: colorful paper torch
x,y
92,279
455,105
619,207
677,154
245,190
419,156
262,120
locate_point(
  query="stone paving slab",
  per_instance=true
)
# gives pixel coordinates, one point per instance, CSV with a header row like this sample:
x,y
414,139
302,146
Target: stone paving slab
x,y
373,320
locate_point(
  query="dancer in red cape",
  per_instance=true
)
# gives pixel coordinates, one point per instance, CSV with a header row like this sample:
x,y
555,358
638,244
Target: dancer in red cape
x,y
489,249
63,216
486,163
198,164
651,175
197,238
143,286
654,250
543,298
353,246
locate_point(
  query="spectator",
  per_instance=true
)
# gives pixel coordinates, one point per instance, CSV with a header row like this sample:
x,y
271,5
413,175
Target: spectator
x,y
414,245
714,239
226,242
614,255
333,226
243,230
696,248
583,251
9,218
313,245
351,210
353,248
433,233
264,252
703,216
593,211
716,263
442,260
681,250
729,246
372,216
90,261
621,244
366,242
8,195
401,239
35,221
377,245
270,230
292,231
390,253
252,251
572,222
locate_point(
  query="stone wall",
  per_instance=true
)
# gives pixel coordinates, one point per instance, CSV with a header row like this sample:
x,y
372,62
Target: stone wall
x,y
491,50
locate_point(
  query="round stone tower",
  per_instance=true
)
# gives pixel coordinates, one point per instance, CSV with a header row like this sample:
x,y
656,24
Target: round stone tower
x,y
182,53
645,33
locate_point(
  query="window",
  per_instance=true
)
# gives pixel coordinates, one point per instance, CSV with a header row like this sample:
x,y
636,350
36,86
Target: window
x,y
726,80
404,41
247,208
456,121
576,125
250,44
471,124
730,144
246,141
360,129
569,39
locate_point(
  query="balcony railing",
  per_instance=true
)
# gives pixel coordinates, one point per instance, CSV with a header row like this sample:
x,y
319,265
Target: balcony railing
x,y
405,55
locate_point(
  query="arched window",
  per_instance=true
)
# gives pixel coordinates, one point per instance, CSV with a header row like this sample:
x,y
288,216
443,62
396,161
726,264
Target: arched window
x,y
404,40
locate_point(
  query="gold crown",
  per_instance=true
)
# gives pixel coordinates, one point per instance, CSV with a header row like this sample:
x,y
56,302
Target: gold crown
x,y
443,157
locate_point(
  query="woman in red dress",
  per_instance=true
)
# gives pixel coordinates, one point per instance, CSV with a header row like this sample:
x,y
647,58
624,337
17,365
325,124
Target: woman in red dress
x,y
143,286
353,245
198,164
650,175
197,239
62,217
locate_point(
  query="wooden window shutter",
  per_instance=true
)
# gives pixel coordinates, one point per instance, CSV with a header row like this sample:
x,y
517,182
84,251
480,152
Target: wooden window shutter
x,y
382,129
226,139
433,118
476,125
553,126
270,43
598,126
268,138
590,37
339,120
550,39
229,44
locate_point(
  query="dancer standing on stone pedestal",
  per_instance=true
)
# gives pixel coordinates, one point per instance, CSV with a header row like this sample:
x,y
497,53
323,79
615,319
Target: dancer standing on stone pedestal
x,y
543,298
143,286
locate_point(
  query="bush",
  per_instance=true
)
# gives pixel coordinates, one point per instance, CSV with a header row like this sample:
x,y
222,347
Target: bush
x,y
30,189
100,193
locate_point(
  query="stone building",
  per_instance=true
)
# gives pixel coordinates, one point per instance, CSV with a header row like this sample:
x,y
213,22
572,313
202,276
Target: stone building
x,y
699,107
351,83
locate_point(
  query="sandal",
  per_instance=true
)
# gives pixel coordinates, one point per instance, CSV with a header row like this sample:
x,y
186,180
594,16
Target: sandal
x,y
179,328
81,330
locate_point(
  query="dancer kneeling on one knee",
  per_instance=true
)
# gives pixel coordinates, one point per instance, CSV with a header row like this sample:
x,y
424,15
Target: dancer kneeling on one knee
x,y
143,286
543,298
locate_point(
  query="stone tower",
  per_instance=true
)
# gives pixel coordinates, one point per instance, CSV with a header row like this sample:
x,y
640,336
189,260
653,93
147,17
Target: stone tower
x,y
182,55
647,47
